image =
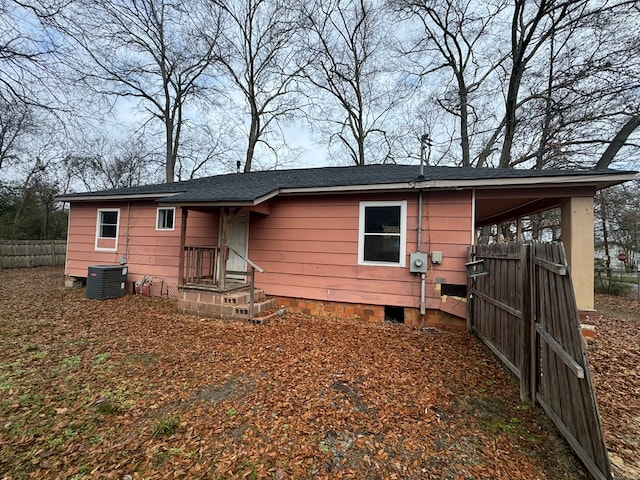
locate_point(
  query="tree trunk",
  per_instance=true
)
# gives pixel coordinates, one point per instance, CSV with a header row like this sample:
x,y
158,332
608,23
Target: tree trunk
x,y
605,238
618,142
464,123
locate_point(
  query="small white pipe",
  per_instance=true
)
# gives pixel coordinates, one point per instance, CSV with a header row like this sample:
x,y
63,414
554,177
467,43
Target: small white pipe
x,y
419,242
423,310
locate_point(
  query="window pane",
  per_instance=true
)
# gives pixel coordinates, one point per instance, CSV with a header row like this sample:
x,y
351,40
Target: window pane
x,y
382,219
165,219
382,248
108,224
108,231
110,218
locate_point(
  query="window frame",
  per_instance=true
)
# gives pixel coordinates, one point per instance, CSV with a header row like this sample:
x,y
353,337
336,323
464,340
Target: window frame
x,y
99,225
173,219
402,234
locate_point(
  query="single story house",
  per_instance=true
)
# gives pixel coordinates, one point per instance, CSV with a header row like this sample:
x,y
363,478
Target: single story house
x,y
619,256
374,241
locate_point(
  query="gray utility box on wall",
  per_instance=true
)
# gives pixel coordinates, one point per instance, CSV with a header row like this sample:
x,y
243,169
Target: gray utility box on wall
x,y
106,281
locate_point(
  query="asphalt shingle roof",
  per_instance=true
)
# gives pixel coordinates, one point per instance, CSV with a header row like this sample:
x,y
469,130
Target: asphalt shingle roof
x,y
247,187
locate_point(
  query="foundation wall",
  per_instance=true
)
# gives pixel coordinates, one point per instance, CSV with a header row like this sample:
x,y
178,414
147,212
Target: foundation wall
x,y
369,313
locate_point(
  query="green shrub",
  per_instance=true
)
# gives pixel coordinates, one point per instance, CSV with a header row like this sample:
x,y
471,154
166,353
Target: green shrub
x,y
611,286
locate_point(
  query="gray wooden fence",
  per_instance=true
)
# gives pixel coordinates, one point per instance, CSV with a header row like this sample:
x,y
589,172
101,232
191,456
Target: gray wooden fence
x,y
524,309
32,253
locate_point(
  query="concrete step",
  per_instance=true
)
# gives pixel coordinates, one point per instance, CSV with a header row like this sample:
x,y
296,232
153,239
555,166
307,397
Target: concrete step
x,y
242,311
263,311
232,306
242,296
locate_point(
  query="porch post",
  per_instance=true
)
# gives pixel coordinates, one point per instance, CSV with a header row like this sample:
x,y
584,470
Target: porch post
x,y
222,244
183,237
577,235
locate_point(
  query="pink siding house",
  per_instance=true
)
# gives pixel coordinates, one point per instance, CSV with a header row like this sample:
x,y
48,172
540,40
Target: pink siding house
x,y
378,241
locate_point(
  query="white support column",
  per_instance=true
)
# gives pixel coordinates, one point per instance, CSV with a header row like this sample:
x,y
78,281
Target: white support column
x,y
577,236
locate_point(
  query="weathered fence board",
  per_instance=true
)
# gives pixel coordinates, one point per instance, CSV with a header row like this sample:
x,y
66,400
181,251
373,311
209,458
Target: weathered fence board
x,y
525,311
32,253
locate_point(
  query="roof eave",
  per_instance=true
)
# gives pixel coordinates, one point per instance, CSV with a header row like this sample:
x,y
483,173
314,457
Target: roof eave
x,y
597,180
113,198
222,203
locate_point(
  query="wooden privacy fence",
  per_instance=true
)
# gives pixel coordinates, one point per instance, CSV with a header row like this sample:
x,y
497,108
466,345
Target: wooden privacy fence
x,y
32,253
524,310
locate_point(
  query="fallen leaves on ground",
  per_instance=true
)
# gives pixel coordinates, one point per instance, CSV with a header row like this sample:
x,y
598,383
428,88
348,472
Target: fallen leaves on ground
x,y
128,388
614,356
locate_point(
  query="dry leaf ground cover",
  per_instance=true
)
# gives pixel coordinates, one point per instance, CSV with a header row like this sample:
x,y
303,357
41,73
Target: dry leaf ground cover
x,y
127,388
614,356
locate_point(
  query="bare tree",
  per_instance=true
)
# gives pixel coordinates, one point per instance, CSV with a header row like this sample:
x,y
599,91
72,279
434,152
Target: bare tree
x,y
619,141
351,63
106,163
27,54
147,50
453,36
551,81
258,51
16,122
588,100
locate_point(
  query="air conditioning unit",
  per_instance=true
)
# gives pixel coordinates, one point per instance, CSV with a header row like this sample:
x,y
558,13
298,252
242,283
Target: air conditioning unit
x,y
106,281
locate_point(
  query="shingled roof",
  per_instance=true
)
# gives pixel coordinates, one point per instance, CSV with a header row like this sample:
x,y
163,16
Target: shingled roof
x,y
254,187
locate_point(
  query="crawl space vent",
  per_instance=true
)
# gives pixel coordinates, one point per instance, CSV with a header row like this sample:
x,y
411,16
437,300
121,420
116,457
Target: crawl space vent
x,y
106,281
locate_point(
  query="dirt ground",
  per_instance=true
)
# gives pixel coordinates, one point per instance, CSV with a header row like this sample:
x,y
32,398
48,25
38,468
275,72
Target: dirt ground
x,y
127,388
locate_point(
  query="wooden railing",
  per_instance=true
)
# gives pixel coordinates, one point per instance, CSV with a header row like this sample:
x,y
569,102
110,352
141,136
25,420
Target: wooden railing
x,y
250,273
207,266
200,265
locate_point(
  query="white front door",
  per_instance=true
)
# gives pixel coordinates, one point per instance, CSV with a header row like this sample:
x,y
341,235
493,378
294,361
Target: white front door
x,y
238,239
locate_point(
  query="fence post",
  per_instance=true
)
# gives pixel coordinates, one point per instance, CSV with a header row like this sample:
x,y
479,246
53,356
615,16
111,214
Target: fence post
x,y
527,351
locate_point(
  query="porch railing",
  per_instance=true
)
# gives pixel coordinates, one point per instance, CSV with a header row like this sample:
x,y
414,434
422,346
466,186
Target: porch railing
x,y
201,265
207,266
250,273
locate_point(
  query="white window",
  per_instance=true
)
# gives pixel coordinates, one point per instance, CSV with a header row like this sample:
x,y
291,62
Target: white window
x,y
107,226
382,233
165,218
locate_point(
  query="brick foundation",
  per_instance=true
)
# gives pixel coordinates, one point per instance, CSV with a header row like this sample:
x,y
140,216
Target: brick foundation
x,y
587,323
369,313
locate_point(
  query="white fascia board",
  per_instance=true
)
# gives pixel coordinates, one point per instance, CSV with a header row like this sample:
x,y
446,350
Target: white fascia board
x,y
350,188
529,181
555,181
114,198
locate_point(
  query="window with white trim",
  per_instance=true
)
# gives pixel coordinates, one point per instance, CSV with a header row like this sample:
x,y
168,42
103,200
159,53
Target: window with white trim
x,y
382,233
108,223
107,226
165,218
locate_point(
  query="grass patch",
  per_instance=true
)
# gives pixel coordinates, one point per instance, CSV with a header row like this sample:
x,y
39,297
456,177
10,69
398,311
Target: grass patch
x,y
101,358
70,363
165,426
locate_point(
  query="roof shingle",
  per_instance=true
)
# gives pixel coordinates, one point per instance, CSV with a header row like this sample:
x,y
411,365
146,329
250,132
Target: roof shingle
x,y
247,187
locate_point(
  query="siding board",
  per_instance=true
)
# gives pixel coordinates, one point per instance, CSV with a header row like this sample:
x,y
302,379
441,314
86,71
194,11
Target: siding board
x,y
308,246
309,249
147,250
